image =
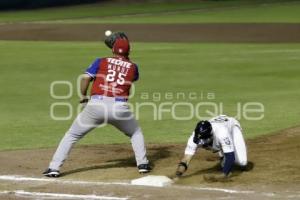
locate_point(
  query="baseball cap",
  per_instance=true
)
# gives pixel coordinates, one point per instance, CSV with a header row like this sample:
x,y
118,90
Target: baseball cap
x,y
121,46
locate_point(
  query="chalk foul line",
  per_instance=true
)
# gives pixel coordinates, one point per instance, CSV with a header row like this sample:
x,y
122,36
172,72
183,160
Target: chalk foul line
x,y
59,195
18,178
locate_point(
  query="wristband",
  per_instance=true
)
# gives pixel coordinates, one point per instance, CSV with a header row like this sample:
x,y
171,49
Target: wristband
x,y
183,164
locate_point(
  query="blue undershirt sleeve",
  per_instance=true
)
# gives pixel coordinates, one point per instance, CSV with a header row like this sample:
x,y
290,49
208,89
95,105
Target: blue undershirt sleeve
x,y
136,75
93,68
229,162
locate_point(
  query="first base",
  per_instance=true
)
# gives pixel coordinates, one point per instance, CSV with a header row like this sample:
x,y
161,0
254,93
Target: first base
x,y
156,181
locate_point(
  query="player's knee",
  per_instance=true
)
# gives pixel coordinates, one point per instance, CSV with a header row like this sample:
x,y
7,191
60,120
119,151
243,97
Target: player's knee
x,y
136,132
243,162
74,134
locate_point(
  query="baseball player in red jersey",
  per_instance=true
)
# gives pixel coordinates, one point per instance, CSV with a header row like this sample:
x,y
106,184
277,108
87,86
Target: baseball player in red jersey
x,y
112,79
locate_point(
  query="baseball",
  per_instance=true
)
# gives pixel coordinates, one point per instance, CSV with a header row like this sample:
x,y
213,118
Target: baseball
x,y
108,33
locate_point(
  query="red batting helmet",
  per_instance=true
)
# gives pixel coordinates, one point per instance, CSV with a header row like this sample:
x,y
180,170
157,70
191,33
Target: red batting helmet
x,y
121,47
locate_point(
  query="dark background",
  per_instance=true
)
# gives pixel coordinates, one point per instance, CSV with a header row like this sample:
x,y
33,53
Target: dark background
x,y
29,4
32,4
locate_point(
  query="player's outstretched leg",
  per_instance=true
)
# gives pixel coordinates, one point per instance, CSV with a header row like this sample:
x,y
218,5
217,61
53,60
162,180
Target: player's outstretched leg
x,y
138,145
129,126
84,122
240,147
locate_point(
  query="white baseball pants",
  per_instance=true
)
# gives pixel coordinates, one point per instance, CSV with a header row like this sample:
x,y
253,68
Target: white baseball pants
x,y
97,112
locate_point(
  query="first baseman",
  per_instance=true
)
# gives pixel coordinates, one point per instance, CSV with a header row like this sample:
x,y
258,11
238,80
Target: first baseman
x,y
220,134
112,79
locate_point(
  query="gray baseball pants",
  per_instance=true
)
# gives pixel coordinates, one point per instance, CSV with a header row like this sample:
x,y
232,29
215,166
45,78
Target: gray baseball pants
x,y
101,110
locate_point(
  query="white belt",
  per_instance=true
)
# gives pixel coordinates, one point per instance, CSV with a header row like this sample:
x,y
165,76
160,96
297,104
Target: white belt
x,y
101,97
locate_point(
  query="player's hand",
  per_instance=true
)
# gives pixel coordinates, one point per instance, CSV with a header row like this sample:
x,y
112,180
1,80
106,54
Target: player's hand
x,y
83,102
175,177
217,177
181,168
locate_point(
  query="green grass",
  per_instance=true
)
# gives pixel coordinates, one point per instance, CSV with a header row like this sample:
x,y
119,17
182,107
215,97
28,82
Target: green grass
x,y
261,14
266,73
171,12
266,13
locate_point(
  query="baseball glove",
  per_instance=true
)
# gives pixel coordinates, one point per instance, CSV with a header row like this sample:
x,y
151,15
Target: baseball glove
x,y
110,40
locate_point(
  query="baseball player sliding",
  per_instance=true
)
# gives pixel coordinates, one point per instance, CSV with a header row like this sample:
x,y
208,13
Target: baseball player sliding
x,y
112,79
220,134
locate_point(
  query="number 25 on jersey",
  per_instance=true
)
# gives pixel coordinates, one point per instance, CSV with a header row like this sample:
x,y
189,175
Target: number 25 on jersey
x,y
112,75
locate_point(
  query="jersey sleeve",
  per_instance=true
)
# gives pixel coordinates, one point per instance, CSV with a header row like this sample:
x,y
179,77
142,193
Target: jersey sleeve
x,y
136,73
191,147
225,141
93,68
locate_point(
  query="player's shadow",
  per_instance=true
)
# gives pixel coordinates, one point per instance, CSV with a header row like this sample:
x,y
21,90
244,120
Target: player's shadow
x,y
236,171
156,153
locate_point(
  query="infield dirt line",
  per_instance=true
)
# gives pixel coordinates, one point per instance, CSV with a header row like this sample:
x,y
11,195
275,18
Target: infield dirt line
x,y
186,33
19,178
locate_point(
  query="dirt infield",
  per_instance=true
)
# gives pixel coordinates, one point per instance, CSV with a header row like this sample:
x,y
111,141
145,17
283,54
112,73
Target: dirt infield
x,y
273,171
271,33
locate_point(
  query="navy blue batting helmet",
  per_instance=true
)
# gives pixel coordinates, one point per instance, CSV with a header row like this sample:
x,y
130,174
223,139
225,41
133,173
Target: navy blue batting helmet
x,y
203,130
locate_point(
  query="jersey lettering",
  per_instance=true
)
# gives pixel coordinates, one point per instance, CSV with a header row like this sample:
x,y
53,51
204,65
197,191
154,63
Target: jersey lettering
x,y
114,77
220,119
227,141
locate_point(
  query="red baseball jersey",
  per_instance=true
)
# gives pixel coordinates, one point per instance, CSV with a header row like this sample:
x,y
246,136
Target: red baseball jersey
x,y
113,76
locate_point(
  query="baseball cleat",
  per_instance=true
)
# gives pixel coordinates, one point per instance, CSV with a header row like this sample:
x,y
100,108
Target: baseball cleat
x,y
51,173
144,168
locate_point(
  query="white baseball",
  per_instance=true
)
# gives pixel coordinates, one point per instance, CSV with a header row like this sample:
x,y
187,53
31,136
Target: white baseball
x,y
108,33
